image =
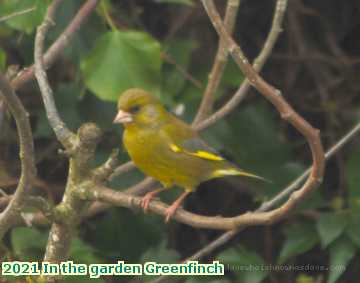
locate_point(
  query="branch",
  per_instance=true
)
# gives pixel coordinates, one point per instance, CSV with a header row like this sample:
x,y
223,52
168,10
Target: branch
x,y
311,134
218,67
286,192
28,170
63,134
59,45
242,91
259,62
16,14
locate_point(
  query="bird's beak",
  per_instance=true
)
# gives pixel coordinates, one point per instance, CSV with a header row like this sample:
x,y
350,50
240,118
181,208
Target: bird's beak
x,y
123,117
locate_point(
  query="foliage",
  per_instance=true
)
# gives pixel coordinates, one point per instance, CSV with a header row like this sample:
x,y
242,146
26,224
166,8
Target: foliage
x,y
129,45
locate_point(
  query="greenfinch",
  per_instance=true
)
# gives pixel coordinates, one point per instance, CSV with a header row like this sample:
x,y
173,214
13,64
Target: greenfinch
x,y
166,148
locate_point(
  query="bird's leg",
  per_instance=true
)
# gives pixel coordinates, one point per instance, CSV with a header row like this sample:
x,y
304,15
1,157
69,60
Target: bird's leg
x,y
170,211
148,197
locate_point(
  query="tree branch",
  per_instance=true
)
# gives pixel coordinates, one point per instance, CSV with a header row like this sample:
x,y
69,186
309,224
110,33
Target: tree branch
x,y
28,170
286,192
63,134
259,62
219,64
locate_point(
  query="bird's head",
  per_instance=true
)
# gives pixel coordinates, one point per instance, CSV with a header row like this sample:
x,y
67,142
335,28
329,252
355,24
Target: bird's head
x,y
136,106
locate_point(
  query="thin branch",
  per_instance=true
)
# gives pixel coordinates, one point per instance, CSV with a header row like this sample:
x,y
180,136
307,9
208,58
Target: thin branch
x,y
168,58
59,45
63,134
218,67
16,14
286,192
273,95
28,169
259,62
122,169
274,33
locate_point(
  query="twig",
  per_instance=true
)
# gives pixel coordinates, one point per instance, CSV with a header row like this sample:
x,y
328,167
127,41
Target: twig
x,y
286,192
28,169
235,100
287,113
59,45
168,58
16,14
80,147
63,134
257,65
122,169
218,67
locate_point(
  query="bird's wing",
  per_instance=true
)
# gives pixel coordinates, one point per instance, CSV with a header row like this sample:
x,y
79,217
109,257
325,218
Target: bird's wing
x,y
183,139
195,146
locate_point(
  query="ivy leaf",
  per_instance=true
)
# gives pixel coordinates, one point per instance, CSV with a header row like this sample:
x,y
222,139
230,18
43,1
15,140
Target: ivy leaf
x,y
353,228
81,252
66,97
26,22
330,226
245,264
122,60
28,243
2,59
300,237
353,179
180,51
341,252
159,254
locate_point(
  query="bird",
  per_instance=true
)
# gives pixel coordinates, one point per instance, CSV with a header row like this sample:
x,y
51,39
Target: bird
x,y
164,147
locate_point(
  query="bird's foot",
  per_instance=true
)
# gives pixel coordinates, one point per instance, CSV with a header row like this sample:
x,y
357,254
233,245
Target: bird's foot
x,y
170,211
145,201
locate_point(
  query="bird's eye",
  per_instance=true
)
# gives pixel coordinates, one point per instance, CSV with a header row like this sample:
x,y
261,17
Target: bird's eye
x,y
134,109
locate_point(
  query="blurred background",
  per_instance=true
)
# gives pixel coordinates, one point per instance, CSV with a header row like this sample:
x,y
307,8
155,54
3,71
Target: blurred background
x,y
168,47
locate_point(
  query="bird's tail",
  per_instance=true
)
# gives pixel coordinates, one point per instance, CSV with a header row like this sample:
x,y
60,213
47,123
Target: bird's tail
x,y
234,171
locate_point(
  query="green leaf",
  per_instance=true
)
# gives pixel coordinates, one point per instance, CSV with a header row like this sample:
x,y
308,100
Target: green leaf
x,y
66,97
113,240
180,51
246,264
26,22
122,60
2,59
341,252
252,134
353,228
330,226
81,252
304,278
353,178
159,254
300,237
232,75
28,243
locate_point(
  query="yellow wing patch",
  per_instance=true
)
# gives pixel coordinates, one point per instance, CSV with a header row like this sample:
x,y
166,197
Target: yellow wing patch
x,y
175,148
199,153
206,155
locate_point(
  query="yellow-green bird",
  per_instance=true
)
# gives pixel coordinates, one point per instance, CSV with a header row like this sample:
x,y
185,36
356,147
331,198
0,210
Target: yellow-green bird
x,y
167,149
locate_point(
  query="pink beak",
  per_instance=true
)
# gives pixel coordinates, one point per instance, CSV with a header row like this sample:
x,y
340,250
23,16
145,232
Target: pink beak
x,y
123,117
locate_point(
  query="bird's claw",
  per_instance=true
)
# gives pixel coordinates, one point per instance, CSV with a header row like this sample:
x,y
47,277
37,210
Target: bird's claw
x,y
145,201
169,212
